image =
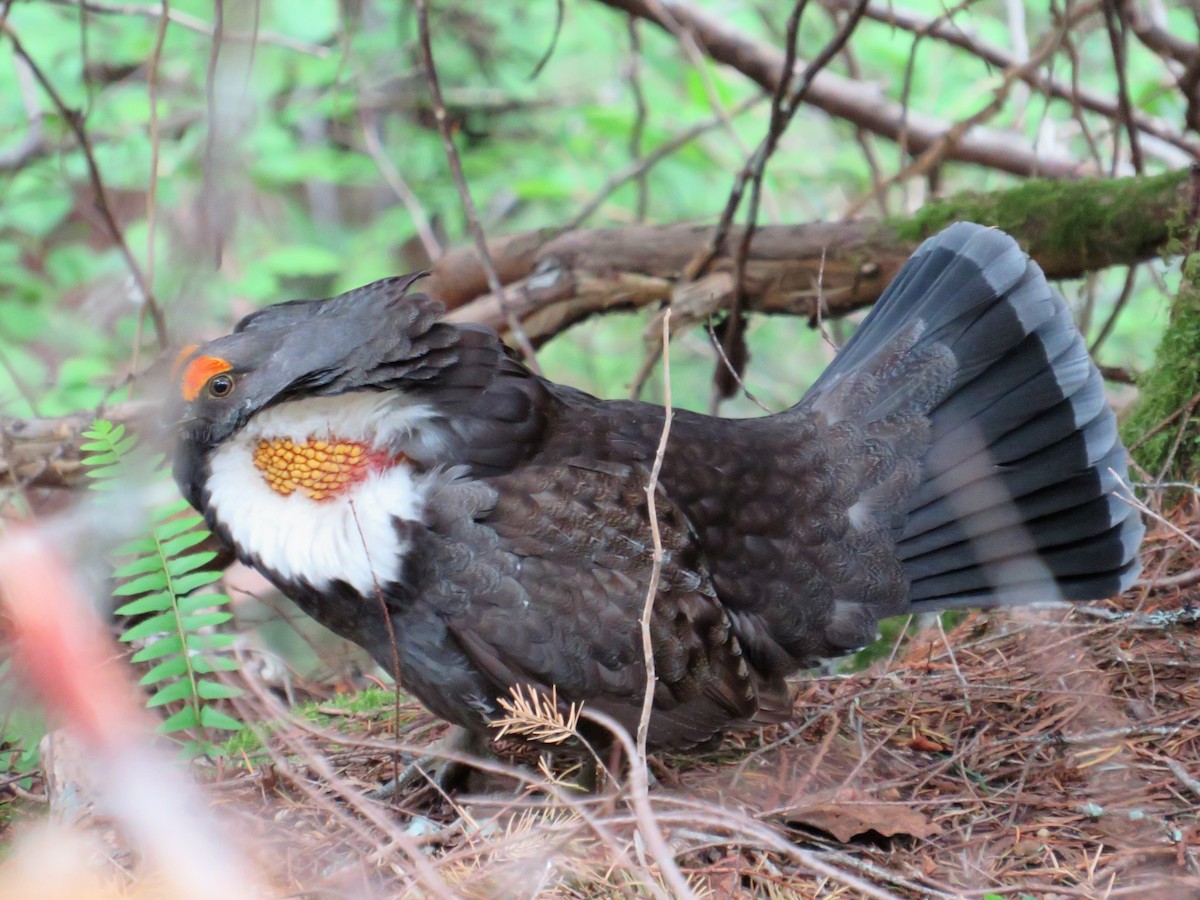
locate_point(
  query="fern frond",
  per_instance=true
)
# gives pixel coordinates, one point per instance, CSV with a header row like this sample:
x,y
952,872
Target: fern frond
x,y
163,580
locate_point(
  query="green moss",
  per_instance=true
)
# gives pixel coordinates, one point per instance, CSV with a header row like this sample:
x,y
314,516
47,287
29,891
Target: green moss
x,y
362,709
371,702
1066,225
1169,385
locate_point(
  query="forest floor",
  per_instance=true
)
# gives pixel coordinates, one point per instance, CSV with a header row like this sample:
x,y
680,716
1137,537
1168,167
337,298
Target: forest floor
x,y
1036,753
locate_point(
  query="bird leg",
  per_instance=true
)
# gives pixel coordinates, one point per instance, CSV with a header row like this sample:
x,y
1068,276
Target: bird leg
x,y
450,775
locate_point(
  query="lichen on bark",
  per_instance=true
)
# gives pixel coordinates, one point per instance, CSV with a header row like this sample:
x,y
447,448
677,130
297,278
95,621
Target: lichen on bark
x,y
1061,222
1163,430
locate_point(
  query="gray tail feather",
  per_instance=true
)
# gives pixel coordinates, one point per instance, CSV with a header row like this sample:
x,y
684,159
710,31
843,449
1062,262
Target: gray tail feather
x,y
1015,501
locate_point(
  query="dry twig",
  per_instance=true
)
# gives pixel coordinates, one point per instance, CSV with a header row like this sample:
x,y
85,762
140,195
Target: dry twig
x,y
485,257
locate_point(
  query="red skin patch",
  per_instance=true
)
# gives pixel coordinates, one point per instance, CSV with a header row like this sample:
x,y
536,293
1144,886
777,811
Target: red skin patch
x,y
198,372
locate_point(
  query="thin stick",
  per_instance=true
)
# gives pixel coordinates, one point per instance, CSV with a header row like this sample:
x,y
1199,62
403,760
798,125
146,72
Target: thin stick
x,y
152,190
391,632
193,23
1116,38
638,167
656,569
485,255
400,187
1111,321
75,123
733,373
1185,409
1128,497
641,113
639,798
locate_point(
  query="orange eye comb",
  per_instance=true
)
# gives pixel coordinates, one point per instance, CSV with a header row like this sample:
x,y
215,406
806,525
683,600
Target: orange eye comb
x,y
197,373
184,352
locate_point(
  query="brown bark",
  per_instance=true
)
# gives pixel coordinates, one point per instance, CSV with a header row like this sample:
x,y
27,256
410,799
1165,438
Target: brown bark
x,y
553,281
45,452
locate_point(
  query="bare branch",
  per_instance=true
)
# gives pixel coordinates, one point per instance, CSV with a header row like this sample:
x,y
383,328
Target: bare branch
x,y
464,193
845,98
1116,38
1001,58
75,123
783,110
580,273
192,23
400,187
943,147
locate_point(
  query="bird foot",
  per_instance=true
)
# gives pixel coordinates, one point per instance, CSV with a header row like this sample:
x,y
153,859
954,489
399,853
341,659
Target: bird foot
x,y
448,775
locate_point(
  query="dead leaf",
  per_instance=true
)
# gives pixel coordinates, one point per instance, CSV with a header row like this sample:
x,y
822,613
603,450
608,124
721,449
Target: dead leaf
x,y
847,815
920,742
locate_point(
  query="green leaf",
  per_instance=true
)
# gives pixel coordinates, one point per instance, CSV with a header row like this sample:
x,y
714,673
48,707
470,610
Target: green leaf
x,y
148,628
173,509
177,545
168,668
209,641
181,565
138,547
154,581
206,664
172,643
172,693
139,566
169,529
105,472
205,620
185,584
195,602
214,690
181,721
96,447
157,602
214,718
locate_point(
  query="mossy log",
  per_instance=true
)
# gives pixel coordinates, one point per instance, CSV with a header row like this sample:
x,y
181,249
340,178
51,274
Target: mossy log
x,y
1163,431
556,278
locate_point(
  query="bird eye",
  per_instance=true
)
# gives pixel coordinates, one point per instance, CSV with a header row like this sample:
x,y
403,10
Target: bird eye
x,y
220,385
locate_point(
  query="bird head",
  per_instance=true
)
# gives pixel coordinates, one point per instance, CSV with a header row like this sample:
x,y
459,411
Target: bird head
x,y
376,338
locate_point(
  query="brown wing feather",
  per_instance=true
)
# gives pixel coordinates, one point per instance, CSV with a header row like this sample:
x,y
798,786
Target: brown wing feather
x,y
541,576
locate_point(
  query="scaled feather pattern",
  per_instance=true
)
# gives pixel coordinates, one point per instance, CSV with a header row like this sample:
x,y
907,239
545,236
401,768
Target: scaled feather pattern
x,y
957,452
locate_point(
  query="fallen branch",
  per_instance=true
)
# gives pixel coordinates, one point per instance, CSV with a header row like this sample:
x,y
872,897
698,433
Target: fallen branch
x,y
45,452
1069,227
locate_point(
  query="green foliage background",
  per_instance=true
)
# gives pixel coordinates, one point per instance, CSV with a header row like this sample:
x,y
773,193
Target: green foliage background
x,y
304,210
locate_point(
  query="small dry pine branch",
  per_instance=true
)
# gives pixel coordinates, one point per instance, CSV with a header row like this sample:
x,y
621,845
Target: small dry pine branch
x,y
532,714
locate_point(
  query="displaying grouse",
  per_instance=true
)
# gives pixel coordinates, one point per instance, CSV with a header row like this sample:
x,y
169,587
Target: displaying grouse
x,y
366,456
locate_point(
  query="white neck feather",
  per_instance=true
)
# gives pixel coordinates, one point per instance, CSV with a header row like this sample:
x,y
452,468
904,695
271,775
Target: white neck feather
x,y
351,536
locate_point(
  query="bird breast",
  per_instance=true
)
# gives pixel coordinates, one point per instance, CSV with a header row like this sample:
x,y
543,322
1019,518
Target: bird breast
x,y
311,490
321,469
